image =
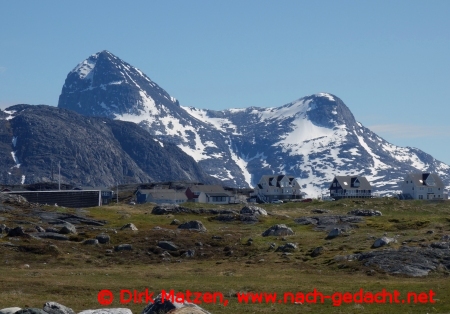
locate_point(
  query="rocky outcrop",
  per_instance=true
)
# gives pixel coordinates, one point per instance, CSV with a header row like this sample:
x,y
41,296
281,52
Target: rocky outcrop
x,y
193,225
278,230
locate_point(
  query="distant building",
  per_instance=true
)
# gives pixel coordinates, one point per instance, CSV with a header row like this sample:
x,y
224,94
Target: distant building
x,y
160,196
68,198
350,187
277,187
422,186
212,194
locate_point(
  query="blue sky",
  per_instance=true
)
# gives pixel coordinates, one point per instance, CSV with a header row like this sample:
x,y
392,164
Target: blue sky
x,y
389,61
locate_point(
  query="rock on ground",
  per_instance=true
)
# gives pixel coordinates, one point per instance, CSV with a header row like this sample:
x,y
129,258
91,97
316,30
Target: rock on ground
x,y
253,210
278,230
56,308
365,212
382,242
194,225
9,310
129,226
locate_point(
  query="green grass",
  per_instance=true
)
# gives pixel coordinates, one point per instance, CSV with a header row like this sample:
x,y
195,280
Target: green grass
x,y
73,274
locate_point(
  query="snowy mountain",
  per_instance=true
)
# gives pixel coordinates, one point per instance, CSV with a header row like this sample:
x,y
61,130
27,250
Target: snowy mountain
x,y
313,138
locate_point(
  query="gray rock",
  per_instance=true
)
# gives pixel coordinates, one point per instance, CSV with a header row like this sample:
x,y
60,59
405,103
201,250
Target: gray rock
x,y
175,222
317,251
334,233
410,261
107,311
189,253
3,228
249,218
382,242
165,209
278,230
123,247
129,226
193,225
39,229
253,210
49,235
31,311
90,242
365,212
68,228
167,245
103,238
440,245
56,308
9,310
306,221
288,247
16,232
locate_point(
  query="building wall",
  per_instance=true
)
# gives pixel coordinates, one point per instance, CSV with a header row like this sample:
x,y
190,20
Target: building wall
x,y
72,199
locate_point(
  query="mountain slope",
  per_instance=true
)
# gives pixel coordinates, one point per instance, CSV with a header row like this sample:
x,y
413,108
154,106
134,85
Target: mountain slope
x,y
92,151
313,138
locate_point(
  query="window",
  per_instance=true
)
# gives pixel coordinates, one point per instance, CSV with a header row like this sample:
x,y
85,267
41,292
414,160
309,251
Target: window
x,y
420,197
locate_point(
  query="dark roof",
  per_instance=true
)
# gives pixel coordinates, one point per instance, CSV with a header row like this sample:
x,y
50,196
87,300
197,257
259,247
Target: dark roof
x,y
207,188
346,182
421,179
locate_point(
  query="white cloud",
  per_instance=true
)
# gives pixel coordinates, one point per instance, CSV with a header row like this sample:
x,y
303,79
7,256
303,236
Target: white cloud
x,y
400,131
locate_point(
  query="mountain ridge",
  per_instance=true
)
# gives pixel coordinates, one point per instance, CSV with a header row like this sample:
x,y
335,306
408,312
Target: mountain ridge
x,y
312,138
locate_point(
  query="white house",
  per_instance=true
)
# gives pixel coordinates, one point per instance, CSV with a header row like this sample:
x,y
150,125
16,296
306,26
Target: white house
x,y
277,187
161,196
423,186
350,187
213,194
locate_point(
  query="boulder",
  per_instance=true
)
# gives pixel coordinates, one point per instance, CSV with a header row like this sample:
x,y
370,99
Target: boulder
x,y
103,238
253,210
167,245
278,230
123,247
382,242
317,251
16,232
334,233
365,212
165,209
129,226
68,228
9,310
31,311
175,222
50,235
193,225
56,308
90,242
39,229
288,247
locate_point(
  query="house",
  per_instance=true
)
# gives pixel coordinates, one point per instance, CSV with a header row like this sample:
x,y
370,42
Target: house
x,y
423,186
277,187
160,196
350,187
213,194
